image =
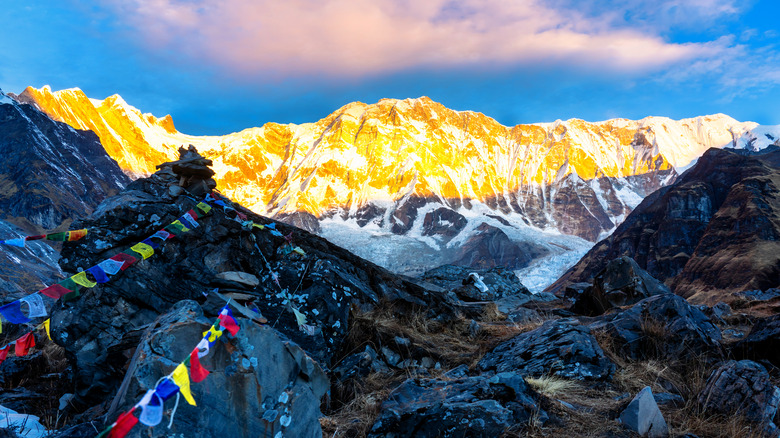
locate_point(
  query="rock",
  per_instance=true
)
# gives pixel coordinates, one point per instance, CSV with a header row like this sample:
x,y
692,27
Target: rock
x,y
562,348
670,400
255,372
574,290
243,278
714,232
490,247
470,406
443,222
742,387
301,219
621,283
643,416
664,326
763,341
499,283
759,295
523,315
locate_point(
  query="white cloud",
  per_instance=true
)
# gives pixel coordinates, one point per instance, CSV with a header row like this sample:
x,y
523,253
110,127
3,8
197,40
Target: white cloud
x,y
358,37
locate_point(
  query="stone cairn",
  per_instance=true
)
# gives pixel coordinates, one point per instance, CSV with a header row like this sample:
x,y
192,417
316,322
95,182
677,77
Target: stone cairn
x,y
193,171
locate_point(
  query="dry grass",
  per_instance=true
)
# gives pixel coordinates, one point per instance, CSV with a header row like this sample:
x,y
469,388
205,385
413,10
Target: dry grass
x,y
552,386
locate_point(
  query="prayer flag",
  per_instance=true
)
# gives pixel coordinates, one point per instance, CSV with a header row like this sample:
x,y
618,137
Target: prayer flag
x,y
203,207
82,280
203,347
197,372
38,237
55,291
276,233
151,243
262,227
35,305
272,225
76,234
211,335
12,312
299,250
176,227
166,389
99,273
127,260
145,250
227,321
19,243
188,221
151,409
4,353
46,325
299,317
162,234
182,379
24,344
123,424
192,213
59,237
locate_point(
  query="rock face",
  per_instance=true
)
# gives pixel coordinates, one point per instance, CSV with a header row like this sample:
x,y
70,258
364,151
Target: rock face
x,y
714,232
562,348
100,328
490,247
621,283
470,406
763,341
664,326
245,393
50,172
743,388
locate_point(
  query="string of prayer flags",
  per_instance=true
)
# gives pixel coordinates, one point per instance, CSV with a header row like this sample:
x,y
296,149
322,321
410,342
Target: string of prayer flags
x,y
65,236
177,382
227,321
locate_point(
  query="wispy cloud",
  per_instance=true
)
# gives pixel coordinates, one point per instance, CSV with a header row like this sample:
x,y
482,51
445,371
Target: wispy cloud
x,y
357,37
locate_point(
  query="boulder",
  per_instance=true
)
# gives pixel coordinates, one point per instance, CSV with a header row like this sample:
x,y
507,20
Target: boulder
x,y
259,381
762,343
562,348
490,247
621,283
443,222
643,416
469,406
477,284
744,388
663,326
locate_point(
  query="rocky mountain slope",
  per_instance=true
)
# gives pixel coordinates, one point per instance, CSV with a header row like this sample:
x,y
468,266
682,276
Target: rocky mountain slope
x,y
329,344
432,176
50,175
714,232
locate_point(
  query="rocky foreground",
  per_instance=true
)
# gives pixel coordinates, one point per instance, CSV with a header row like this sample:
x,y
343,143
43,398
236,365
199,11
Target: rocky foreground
x,y
332,345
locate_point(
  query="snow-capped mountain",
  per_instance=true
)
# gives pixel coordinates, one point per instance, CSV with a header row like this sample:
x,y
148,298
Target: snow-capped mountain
x,y
50,175
418,173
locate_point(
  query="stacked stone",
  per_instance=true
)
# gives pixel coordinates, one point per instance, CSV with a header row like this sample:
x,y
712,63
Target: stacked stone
x,y
193,170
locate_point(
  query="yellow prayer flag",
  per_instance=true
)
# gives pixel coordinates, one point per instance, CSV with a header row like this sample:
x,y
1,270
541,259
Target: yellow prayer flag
x,y
46,325
202,206
182,379
141,248
212,334
177,223
299,317
82,280
262,227
299,250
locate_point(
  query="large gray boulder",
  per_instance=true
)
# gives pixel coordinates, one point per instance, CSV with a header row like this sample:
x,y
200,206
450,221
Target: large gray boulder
x,y
260,382
621,283
465,407
489,285
743,388
763,341
562,348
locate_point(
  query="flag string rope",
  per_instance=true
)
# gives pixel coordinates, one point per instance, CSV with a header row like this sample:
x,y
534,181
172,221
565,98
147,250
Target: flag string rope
x,y
69,288
65,236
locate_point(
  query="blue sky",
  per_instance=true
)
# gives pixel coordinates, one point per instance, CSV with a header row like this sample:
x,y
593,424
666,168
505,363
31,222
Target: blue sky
x,y
220,67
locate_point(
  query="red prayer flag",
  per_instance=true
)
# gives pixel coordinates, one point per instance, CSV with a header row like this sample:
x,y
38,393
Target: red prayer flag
x,y
197,372
227,322
24,344
126,258
38,237
124,423
4,353
55,291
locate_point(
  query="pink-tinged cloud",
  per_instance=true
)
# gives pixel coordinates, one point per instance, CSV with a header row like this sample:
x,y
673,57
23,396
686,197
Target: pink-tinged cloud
x,y
359,37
